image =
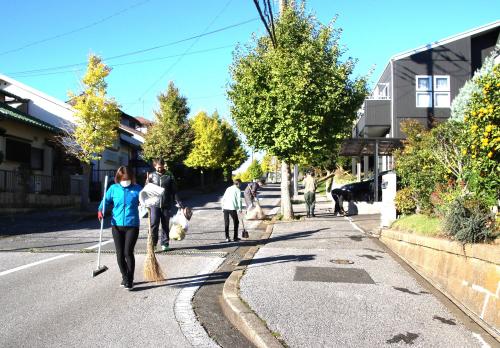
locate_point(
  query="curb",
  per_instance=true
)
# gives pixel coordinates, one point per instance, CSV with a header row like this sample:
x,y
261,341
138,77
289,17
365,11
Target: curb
x,y
239,313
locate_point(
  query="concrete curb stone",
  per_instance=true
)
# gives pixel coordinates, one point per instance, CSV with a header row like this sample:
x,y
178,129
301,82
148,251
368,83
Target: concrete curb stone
x,y
239,313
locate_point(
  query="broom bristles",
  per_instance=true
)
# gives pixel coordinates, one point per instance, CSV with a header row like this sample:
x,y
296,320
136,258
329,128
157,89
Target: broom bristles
x,y
152,270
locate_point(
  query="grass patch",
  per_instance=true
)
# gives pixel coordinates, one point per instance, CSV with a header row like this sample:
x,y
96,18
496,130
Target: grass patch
x,y
419,224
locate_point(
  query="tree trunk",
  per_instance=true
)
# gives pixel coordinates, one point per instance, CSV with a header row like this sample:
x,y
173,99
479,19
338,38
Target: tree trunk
x,y
286,199
328,183
84,195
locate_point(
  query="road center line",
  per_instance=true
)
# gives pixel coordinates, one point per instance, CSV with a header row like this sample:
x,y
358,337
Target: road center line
x,y
32,264
97,245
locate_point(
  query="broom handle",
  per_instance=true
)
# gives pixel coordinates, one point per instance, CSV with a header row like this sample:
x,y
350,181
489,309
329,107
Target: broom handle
x,y
102,221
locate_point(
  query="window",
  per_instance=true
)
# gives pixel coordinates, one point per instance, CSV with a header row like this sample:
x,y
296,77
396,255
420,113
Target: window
x,y
424,99
36,158
17,151
441,91
424,91
431,89
424,83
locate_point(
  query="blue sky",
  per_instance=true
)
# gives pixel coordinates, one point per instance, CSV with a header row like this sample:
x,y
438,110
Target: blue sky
x,y
372,31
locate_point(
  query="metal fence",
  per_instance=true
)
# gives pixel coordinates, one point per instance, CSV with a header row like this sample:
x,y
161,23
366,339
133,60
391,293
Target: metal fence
x,y
16,181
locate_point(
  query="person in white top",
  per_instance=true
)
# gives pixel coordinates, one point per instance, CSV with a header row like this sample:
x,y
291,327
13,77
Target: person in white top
x,y
231,205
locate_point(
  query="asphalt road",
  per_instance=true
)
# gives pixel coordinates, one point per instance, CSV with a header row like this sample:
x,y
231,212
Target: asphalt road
x,y
49,298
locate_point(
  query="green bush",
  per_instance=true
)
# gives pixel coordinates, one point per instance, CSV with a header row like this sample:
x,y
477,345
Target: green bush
x,y
417,166
444,195
469,220
405,201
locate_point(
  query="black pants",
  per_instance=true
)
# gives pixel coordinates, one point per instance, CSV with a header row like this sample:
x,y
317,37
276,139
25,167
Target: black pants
x,y
339,204
160,215
236,222
125,239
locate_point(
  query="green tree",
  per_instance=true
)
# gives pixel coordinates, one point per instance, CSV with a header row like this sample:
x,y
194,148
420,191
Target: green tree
x,y
235,154
298,98
209,146
255,170
97,119
481,136
266,164
170,138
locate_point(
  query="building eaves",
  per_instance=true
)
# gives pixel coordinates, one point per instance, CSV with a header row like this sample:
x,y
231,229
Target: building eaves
x,y
9,112
447,40
36,92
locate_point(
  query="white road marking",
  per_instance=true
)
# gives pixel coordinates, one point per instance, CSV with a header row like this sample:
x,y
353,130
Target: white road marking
x,y
32,264
97,245
481,340
184,313
354,225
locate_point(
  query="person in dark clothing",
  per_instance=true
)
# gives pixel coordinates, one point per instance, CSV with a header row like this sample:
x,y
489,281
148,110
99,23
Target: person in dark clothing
x,y
250,193
338,196
164,179
124,196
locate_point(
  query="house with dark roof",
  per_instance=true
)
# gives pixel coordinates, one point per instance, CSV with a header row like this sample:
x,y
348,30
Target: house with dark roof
x,y
420,84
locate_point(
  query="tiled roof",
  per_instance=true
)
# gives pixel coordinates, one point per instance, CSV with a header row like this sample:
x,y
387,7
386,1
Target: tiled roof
x,y
9,112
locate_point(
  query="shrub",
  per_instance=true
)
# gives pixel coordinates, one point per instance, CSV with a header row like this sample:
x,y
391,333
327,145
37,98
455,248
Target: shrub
x,y
343,177
417,166
405,201
481,135
469,220
444,195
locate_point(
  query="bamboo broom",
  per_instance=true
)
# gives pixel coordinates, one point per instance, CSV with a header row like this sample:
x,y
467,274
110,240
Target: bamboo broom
x,y
152,270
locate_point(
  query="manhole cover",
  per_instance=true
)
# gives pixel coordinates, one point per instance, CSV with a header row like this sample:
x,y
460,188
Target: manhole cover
x,y
342,261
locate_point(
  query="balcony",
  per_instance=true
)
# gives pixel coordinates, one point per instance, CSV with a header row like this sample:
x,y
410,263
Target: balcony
x,y
376,118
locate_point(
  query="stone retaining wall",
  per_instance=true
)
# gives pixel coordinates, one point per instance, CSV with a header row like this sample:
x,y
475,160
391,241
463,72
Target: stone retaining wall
x,y
467,274
13,200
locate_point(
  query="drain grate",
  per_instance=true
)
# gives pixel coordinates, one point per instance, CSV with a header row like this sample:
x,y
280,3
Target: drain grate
x,y
342,261
332,275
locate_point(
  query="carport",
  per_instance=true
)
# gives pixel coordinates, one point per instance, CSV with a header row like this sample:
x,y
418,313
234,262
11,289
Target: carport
x,y
376,147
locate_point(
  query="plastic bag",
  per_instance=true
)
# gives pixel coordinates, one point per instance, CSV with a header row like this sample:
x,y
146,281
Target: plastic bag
x,y
256,213
177,232
180,219
150,196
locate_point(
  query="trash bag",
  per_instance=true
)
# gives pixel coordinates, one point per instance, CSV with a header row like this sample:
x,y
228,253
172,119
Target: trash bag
x,y
150,195
177,232
256,213
179,226
180,219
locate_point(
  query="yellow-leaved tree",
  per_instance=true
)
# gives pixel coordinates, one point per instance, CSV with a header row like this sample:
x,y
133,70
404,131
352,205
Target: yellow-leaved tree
x,y
97,119
209,145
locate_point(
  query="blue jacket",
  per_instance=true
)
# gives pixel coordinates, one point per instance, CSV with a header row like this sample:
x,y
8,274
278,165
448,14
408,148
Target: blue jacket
x,y
125,201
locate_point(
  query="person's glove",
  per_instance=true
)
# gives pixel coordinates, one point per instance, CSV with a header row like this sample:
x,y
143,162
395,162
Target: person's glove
x,y
99,215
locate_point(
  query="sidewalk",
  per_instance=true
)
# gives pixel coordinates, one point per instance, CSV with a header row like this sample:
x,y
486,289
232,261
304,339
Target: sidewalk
x,y
321,282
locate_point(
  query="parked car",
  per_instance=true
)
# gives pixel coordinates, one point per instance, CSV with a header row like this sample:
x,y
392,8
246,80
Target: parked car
x,y
364,190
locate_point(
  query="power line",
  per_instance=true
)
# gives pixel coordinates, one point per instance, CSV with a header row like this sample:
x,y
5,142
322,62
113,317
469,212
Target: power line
x,y
120,64
187,50
102,20
140,51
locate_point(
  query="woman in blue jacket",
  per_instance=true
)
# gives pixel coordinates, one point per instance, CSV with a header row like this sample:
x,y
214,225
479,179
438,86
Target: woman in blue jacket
x,y
124,196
